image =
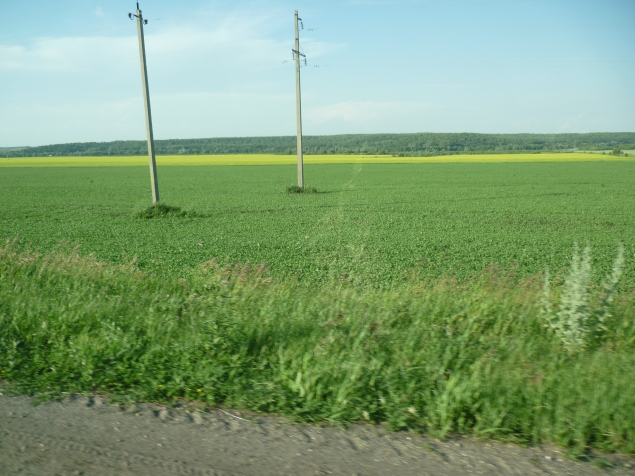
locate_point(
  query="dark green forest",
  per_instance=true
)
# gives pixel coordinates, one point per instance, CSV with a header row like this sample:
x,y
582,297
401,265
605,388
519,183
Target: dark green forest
x,y
419,144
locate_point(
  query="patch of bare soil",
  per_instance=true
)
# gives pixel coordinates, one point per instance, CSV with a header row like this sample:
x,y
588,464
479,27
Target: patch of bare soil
x,y
89,436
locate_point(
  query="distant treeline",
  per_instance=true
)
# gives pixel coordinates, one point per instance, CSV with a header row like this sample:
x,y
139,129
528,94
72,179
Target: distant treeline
x,y
420,144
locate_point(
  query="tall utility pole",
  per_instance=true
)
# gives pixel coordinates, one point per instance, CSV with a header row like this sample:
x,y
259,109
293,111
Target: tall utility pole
x,y
146,99
298,106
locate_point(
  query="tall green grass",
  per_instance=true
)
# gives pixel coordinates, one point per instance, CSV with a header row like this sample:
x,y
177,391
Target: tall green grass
x,y
441,356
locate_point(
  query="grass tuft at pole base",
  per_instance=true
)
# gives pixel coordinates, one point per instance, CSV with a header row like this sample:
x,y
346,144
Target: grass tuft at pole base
x,y
296,189
161,210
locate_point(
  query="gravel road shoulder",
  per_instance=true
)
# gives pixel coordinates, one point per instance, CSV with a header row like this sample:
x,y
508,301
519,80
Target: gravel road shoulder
x,y
88,435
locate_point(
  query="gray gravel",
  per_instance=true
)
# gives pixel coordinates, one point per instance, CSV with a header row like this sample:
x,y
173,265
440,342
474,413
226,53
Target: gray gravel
x,y
89,436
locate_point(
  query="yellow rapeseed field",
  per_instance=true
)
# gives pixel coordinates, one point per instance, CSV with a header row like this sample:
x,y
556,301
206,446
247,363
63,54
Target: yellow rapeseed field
x,y
271,159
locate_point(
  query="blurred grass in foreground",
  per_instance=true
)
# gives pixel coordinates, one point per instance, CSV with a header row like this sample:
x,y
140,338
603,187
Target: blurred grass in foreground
x,y
273,159
473,357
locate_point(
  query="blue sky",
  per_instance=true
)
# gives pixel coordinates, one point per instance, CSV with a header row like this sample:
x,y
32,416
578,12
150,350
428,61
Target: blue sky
x,y
69,69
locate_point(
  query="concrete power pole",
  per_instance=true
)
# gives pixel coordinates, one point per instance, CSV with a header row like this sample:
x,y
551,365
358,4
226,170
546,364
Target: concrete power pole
x,y
298,105
146,99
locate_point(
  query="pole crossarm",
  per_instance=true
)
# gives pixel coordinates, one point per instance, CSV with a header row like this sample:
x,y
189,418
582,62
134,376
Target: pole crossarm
x,y
298,53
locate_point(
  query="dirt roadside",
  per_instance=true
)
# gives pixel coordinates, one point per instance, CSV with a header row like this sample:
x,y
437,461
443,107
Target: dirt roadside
x,y
88,436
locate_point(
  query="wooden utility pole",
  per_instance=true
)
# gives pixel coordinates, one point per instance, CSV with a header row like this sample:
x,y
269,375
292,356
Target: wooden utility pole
x,y
146,99
298,106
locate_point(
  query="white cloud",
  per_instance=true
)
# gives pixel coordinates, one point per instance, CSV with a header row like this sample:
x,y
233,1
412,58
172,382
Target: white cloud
x,y
66,53
233,41
180,115
216,68
191,115
365,111
220,77
74,120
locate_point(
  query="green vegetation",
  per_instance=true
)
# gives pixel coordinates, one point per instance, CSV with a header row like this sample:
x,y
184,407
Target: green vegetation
x,y
420,144
296,189
578,324
472,357
8,150
161,210
374,224
414,294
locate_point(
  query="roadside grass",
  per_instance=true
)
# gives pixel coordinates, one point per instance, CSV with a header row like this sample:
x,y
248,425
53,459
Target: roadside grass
x,y
441,356
296,189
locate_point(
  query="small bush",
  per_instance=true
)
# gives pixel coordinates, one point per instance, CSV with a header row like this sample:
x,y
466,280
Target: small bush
x,y
161,210
296,189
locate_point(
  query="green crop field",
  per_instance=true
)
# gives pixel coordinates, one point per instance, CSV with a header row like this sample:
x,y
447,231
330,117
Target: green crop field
x,y
404,293
377,223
